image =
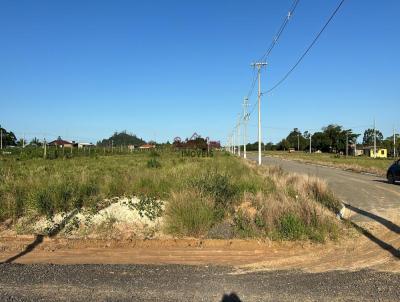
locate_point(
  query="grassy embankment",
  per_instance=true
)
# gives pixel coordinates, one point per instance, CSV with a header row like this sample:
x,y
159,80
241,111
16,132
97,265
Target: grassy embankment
x,y
377,166
216,197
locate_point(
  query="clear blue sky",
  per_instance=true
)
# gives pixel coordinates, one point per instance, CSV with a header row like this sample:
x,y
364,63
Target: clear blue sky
x,y
160,69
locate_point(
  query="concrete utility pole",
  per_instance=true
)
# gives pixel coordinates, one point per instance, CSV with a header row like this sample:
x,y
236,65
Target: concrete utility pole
x,y
347,143
310,142
234,141
45,149
298,141
1,138
374,139
394,142
259,66
245,119
238,133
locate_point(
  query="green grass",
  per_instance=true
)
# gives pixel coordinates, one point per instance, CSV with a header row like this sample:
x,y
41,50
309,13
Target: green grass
x,y
199,193
358,164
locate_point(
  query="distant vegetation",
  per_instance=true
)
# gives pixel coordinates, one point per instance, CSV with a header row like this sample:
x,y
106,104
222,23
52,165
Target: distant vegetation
x,y
121,139
9,138
214,197
331,139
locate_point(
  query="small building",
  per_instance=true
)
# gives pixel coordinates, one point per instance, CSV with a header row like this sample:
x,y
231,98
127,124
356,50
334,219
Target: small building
x,y
380,152
85,145
59,142
147,147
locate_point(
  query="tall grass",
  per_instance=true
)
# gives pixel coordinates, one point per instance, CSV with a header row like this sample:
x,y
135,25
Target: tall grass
x,y
199,193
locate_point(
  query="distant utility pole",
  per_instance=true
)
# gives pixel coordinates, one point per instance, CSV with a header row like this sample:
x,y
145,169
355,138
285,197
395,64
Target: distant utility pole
x,y
1,138
234,141
245,119
259,65
347,143
23,142
238,133
394,142
45,148
310,142
374,139
298,141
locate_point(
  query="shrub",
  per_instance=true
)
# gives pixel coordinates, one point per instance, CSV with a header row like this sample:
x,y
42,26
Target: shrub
x,y
217,186
44,202
153,163
188,214
148,206
291,227
244,225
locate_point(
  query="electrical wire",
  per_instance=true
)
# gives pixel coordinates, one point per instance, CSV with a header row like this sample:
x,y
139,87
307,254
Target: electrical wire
x,y
308,49
280,31
273,43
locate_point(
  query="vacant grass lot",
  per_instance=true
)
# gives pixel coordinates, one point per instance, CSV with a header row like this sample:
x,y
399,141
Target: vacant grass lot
x,y
358,164
218,197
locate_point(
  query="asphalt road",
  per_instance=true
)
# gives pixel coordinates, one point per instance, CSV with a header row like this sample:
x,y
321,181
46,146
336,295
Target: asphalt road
x,y
188,283
366,192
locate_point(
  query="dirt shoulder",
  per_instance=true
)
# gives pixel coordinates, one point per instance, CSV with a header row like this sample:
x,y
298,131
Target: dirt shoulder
x,y
358,252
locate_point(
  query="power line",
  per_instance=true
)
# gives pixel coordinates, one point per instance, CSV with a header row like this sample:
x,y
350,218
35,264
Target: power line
x,y
308,49
280,31
273,43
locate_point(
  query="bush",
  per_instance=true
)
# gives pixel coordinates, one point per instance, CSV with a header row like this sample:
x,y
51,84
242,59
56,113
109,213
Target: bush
x,y
148,206
217,186
291,227
44,202
188,214
153,163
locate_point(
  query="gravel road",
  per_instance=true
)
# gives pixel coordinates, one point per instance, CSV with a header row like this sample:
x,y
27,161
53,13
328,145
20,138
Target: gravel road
x,y
188,283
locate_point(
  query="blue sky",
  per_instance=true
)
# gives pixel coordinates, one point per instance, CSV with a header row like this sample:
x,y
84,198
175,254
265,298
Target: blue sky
x,y
160,69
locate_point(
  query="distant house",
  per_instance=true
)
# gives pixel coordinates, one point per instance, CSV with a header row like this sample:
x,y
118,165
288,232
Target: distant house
x,y
85,145
59,142
131,147
146,147
380,152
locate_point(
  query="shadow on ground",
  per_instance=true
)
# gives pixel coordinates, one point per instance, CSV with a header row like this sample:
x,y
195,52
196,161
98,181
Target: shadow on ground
x,y
230,298
388,224
39,238
386,182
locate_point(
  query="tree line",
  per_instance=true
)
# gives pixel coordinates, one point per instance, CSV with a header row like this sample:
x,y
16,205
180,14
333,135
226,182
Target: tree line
x,y
332,138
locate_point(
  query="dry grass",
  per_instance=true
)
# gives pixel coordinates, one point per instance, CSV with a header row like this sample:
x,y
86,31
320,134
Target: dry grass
x,y
199,193
357,164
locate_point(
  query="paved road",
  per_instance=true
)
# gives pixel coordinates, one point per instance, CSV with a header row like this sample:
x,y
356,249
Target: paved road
x,y
188,283
367,192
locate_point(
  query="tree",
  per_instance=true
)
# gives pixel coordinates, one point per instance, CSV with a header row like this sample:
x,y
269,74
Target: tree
x,y
9,138
320,141
296,140
35,142
121,139
270,146
283,145
21,142
368,138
